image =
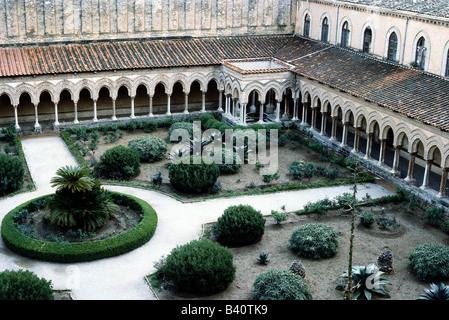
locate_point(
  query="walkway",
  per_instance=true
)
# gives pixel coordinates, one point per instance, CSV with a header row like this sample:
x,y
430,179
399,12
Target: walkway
x,y
121,278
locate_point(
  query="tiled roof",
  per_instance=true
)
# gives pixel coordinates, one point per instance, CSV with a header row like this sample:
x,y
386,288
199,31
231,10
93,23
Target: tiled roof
x,y
438,8
416,94
119,55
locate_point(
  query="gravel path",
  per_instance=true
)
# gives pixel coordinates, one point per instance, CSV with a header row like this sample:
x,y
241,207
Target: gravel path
x,y
122,278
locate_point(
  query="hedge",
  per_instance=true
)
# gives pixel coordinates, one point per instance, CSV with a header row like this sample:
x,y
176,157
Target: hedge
x,y
80,251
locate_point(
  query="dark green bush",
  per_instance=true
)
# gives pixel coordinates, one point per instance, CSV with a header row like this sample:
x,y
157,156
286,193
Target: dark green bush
x,y
229,163
200,266
280,285
118,163
204,118
315,241
430,262
24,285
435,215
81,251
239,225
193,177
181,125
150,149
11,174
209,123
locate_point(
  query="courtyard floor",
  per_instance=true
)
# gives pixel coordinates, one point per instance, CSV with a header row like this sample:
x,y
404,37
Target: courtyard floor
x,y
122,277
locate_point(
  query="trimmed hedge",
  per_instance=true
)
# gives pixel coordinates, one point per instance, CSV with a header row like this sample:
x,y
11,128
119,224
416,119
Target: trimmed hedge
x,y
314,241
80,251
150,149
119,162
430,262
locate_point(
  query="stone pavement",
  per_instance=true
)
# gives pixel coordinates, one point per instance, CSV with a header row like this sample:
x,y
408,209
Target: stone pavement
x,y
122,277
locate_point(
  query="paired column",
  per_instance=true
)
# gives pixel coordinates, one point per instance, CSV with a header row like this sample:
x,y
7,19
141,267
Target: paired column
x,y
76,112
425,182
295,110
334,129
114,115
397,152
243,113
344,138
56,123
132,108
186,102
220,100
411,166
323,124
369,145
95,111
168,104
262,104
278,111
442,192
383,145
314,113
355,148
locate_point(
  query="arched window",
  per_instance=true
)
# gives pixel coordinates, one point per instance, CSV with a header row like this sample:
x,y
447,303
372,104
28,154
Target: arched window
x,y
420,56
345,35
447,64
392,46
325,30
367,37
307,26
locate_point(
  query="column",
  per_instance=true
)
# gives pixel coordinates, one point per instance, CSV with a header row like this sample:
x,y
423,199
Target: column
x,y
334,129
425,180
397,152
227,104
323,124
56,123
383,144
411,166
220,100
278,110
242,113
132,108
262,103
443,183
313,124
295,110
186,103
369,145
304,114
16,118
95,111
355,148
76,112
234,107
344,138
150,114
114,116
203,102
168,104
37,126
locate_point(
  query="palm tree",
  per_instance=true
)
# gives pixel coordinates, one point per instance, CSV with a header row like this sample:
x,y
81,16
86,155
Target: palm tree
x,y
79,200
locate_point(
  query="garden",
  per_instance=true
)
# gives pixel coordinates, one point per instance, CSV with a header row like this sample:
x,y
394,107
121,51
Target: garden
x,y
400,252
140,154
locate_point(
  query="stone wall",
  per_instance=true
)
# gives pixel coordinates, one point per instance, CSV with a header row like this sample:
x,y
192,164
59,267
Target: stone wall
x,y
30,21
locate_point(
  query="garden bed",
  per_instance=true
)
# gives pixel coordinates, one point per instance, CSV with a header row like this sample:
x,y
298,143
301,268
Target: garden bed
x,y
322,275
248,179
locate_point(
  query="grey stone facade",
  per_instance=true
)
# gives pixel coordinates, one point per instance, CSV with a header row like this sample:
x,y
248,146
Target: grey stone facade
x,y
31,21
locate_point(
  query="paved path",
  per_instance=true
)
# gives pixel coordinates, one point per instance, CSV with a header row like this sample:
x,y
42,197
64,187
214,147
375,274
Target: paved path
x,y
121,278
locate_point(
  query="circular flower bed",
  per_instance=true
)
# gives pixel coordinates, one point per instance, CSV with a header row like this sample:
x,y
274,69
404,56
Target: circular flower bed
x,y
69,252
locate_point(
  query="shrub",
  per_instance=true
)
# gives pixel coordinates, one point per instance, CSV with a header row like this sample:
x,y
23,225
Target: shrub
x,y
24,285
156,179
209,123
181,125
9,133
280,285
430,262
204,118
150,149
200,266
11,174
239,225
367,219
119,163
445,226
193,177
315,241
435,214
229,163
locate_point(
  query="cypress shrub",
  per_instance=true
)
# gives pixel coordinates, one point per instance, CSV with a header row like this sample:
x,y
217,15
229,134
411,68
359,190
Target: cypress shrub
x,y
11,174
118,163
239,225
200,266
24,285
280,285
315,241
193,177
